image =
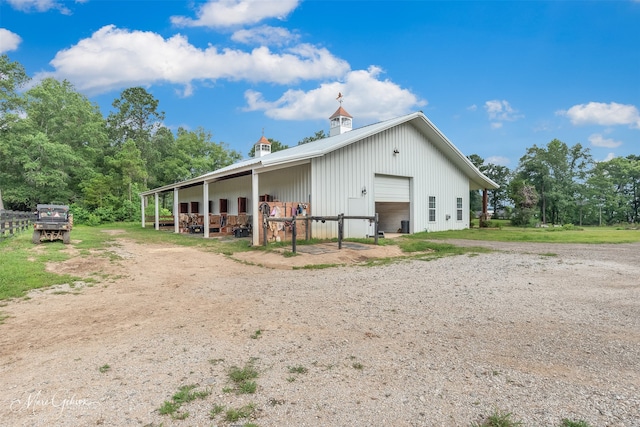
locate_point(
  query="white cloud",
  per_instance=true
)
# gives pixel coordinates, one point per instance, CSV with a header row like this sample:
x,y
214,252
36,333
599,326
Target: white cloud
x,y
600,113
501,111
610,156
114,58
473,107
496,125
8,40
228,13
598,140
265,36
497,160
366,96
40,5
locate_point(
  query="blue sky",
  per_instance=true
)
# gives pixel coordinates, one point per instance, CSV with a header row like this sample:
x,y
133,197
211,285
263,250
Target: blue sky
x,y
496,77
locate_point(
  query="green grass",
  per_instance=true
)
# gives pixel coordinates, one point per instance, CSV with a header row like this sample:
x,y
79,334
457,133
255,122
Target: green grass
x,y
593,235
242,379
499,419
104,368
236,414
22,266
573,423
297,369
185,394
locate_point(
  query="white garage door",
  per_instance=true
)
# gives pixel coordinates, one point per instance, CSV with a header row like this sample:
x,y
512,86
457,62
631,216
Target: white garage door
x,y
392,188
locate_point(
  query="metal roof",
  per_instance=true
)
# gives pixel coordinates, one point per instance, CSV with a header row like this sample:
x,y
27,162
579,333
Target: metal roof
x,y
324,146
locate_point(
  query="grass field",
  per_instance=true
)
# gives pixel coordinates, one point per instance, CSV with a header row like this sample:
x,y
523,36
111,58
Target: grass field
x,y
567,234
22,264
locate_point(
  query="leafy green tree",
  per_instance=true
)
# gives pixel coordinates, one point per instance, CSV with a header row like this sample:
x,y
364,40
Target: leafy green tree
x,y
275,146
194,154
136,117
556,171
50,150
129,167
315,137
12,77
475,196
614,189
525,198
500,175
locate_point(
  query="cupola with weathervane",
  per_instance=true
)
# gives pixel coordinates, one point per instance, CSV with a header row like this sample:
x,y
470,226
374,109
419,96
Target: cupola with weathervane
x,y
262,147
341,121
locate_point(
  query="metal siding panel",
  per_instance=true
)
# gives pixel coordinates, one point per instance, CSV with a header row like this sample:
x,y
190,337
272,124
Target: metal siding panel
x,y
341,174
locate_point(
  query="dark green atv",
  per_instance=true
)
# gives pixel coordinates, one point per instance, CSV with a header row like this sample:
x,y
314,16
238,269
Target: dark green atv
x,y
53,222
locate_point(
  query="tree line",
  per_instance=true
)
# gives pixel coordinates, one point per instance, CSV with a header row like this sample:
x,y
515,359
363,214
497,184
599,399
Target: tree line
x,y
561,184
57,147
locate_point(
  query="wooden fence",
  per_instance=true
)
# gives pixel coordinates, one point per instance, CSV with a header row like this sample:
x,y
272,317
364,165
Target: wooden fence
x,y
13,221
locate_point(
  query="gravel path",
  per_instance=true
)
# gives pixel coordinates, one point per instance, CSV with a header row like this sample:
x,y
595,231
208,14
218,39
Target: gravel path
x,y
545,332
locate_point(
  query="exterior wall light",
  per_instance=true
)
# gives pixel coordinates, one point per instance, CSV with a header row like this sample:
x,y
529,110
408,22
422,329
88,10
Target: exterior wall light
x,y
396,151
364,191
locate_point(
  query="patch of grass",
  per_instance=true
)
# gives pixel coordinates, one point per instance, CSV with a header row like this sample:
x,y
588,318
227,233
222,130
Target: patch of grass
x,y
317,266
239,375
242,379
236,414
168,408
574,423
257,334
357,365
289,254
415,244
247,387
498,419
567,234
297,370
104,368
217,409
185,394
23,265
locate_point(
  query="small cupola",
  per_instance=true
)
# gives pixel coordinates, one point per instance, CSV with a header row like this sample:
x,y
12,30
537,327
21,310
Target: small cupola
x,y
340,121
262,147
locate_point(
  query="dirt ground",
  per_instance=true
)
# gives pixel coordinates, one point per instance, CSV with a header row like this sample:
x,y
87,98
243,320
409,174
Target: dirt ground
x,y
163,316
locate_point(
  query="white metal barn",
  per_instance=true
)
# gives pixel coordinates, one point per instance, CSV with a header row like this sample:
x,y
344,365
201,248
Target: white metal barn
x,y
403,169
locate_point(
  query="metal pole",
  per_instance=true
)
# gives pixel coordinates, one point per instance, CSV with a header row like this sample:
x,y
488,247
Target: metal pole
x,y
294,233
264,229
340,226
376,229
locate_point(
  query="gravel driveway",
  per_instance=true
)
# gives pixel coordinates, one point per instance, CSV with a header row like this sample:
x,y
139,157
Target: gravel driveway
x,y
545,332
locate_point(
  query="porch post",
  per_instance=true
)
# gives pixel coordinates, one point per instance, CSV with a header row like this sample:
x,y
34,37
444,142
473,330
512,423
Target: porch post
x,y
142,199
485,200
176,212
157,212
256,220
205,208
